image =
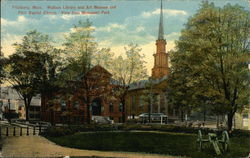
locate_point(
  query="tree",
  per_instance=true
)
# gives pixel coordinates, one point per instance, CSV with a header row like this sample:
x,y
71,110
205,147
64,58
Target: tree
x,y
23,75
2,61
149,97
210,63
128,70
80,46
104,58
32,68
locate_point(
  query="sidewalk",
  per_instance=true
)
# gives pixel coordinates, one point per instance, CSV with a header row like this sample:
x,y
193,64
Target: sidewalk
x,y
37,146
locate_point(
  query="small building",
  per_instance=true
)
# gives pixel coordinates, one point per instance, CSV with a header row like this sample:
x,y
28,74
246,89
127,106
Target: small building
x,y
10,99
242,119
35,109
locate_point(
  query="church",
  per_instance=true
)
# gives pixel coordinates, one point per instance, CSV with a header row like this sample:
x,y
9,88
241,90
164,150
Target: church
x,y
150,95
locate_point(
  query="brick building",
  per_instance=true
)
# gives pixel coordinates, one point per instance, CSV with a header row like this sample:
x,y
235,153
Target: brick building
x,y
94,97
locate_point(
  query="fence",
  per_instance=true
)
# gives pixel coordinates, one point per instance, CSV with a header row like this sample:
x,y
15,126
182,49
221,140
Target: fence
x,y
21,131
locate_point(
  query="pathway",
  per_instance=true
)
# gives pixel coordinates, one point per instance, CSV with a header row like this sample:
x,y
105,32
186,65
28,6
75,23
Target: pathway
x,y
37,146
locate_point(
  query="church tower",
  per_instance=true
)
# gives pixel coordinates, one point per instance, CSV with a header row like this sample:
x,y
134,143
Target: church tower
x,y
160,68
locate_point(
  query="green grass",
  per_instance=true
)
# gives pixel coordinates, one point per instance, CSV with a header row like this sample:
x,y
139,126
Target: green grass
x,y
160,143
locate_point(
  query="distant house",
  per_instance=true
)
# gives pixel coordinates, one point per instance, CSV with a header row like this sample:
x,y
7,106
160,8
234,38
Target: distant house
x,y
11,100
242,119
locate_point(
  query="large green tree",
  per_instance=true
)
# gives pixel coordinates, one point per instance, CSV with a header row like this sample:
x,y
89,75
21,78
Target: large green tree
x,y
23,75
210,63
32,68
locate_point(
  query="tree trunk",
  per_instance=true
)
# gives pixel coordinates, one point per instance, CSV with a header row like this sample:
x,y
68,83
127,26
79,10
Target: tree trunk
x,y
204,115
149,112
217,121
27,107
123,110
43,104
182,116
26,104
229,121
27,112
88,113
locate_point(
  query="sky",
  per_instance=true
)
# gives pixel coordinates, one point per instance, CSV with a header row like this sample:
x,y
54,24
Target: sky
x,y
117,23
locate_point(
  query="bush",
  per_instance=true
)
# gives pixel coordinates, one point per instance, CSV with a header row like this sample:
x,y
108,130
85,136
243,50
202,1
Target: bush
x,y
58,131
240,133
68,130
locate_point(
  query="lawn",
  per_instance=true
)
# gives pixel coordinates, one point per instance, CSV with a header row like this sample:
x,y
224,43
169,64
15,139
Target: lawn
x,y
151,142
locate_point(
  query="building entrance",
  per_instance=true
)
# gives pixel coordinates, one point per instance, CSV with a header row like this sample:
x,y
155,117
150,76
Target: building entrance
x,y
96,106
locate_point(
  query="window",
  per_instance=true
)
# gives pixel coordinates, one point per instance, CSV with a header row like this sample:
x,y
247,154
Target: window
x,y
245,120
76,104
63,105
38,116
141,101
37,108
120,119
63,119
133,103
120,107
111,107
245,116
32,108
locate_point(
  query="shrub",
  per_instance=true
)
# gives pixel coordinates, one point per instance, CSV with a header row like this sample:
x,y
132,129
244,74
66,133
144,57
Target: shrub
x,y
58,131
68,130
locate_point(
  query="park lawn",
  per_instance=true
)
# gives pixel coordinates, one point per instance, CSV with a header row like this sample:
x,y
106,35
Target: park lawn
x,y
151,142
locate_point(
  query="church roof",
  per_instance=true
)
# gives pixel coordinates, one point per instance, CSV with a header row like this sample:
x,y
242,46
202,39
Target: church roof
x,y
144,83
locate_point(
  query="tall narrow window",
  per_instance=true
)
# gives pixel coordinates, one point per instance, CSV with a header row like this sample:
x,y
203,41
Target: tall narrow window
x,y
63,105
111,107
76,104
120,107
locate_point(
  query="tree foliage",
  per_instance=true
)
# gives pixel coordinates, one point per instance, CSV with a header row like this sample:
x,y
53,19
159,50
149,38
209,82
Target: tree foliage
x,y
2,61
32,68
128,70
210,63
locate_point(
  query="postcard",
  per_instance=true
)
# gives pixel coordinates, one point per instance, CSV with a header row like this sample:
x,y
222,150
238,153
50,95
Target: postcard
x,y
124,78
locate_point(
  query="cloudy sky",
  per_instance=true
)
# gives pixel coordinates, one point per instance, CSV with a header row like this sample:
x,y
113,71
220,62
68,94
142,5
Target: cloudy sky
x,y
117,22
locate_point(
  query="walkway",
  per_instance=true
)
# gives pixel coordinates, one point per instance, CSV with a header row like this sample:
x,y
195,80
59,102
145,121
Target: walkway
x,y
37,146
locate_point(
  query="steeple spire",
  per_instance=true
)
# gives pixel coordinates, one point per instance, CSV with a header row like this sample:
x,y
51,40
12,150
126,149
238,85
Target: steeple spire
x,y
161,30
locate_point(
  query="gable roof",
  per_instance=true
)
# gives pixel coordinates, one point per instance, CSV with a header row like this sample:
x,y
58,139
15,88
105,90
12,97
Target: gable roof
x,y
99,69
